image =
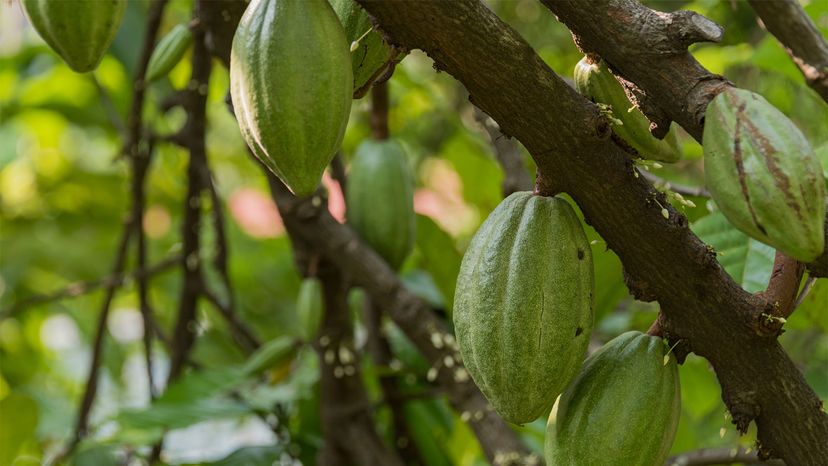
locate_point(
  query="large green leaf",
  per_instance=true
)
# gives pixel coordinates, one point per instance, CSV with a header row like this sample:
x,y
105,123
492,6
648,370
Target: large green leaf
x,y
181,414
748,261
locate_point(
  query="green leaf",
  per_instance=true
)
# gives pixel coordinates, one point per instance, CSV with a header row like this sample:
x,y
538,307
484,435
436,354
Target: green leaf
x,y
97,455
252,456
273,353
18,421
748,261
178,415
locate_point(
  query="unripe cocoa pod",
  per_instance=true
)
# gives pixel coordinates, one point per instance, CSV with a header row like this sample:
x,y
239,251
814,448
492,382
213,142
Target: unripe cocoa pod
x,y
523,308
621,410
763,174
370,54
594,80
169,51
79,31
310,307
381,199
291,83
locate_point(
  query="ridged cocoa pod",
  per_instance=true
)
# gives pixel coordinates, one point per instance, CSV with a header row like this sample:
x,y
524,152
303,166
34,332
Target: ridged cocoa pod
x,y
594,80
79,31
523,309
381,199
622,410
291,83
763,174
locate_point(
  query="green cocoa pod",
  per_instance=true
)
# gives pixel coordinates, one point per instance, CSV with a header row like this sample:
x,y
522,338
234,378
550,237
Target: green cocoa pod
x,y
79,31
310,307
381,199
169,51
523,306
370,54
291,83
594,80
622,409
763,174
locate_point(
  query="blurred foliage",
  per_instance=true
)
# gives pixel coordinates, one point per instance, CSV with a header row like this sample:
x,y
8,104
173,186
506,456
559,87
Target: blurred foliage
x,y
64,195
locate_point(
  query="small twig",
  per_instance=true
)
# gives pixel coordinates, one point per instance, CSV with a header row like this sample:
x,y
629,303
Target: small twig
x,y
338,172
656,328
379,110
243,335
76,289
791,25
109,107
684,190
716,456
91,387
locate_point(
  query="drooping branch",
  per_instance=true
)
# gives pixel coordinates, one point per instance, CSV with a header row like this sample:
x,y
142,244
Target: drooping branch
x,y
702,305
312,222
791,25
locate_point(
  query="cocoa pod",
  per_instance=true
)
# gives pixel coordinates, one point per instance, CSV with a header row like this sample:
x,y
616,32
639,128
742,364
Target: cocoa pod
x,y
523,309
763,174
381,199
621,410
80,31
594,80
291,83
168,52
310,308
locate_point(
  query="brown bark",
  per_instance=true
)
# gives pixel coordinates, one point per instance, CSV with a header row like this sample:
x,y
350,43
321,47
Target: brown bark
x,y
789,23
350,437
702,305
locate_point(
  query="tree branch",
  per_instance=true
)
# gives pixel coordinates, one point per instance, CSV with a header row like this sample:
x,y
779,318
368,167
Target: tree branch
x,y
311,222
702,305
790,24
783,285
76,289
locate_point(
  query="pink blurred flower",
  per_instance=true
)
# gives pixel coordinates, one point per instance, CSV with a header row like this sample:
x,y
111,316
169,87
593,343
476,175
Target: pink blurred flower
x,y
255,213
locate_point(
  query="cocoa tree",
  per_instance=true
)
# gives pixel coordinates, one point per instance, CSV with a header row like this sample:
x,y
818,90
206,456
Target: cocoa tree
x,y
373,371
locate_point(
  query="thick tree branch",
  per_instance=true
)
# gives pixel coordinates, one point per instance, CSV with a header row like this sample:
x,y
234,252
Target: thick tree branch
x,y
701,303
789,23
649,50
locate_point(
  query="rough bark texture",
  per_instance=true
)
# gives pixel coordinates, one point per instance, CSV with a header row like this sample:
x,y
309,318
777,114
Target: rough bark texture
x,y
713,316
649,49
789,23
